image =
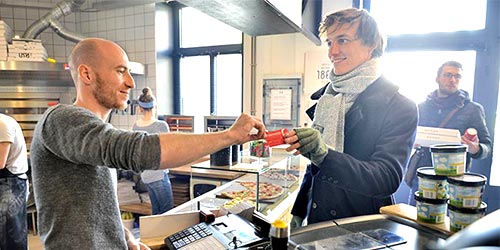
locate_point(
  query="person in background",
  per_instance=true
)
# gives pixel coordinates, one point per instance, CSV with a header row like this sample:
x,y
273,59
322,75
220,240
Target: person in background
x,y
13,185
469,114
157,181
362,132
74,153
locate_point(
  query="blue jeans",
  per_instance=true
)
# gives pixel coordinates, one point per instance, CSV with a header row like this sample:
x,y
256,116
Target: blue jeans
x,y
160,194
13,227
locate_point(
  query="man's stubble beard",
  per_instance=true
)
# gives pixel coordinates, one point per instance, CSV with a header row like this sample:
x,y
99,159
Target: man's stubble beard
x,y
110,101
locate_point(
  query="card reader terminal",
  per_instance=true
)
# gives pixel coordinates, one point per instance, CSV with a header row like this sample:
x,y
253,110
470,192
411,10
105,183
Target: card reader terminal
x,y
226,232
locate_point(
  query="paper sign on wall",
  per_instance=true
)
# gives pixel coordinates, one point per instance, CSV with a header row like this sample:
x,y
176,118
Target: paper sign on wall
x,y
281,104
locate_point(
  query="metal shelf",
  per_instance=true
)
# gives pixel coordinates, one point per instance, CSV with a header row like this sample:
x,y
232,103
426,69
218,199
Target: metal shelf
x,y
44,73
34,74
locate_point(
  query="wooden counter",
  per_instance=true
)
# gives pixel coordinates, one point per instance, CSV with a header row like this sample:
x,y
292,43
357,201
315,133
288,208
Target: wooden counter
x,y
137,208
410,212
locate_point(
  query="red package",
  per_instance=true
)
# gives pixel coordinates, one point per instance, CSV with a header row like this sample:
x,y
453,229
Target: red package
x,y
277,137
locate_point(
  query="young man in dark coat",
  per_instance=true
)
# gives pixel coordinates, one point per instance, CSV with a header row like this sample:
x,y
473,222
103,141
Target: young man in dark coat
x,y
363,129
436,108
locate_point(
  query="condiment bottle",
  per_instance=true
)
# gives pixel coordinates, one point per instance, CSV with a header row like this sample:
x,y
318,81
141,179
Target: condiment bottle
x,y
470,133
279,234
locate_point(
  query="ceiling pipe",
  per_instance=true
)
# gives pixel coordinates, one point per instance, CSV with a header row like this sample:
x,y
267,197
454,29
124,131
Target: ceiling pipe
x,y
253,76
64,33
63,8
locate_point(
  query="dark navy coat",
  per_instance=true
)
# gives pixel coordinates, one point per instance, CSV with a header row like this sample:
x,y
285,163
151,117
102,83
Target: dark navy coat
x,y
470,115
379,133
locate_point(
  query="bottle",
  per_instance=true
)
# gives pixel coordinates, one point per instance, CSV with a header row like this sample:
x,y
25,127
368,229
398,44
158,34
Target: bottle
x,y
470,133
279,234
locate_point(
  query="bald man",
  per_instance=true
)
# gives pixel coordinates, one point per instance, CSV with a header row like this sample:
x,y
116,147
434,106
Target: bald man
x,y
74,153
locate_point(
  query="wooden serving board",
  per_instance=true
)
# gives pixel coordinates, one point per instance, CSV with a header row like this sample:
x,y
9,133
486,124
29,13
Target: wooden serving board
x,y
410,212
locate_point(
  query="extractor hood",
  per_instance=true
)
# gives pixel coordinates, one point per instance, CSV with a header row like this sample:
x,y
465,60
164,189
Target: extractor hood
x,y
44,73
265,17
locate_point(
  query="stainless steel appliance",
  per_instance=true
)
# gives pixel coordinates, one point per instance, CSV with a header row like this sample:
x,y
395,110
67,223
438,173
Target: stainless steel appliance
x,y
27,89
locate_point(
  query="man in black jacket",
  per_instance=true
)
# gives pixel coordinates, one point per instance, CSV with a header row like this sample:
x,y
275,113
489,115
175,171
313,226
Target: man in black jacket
x,y
436,108
363,129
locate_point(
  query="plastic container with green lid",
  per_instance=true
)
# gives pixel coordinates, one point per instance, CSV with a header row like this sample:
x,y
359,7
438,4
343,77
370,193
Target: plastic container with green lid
x,y
449,159
466,190
430,210
462,217
431,185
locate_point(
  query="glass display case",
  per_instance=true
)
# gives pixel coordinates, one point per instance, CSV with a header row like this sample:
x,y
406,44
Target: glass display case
x,y
269,184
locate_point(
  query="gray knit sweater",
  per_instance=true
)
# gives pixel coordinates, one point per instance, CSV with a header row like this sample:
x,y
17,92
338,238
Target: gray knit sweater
x,y
73,157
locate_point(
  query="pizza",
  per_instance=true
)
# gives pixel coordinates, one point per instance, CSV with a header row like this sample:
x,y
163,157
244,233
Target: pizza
x,y
267,191
276,175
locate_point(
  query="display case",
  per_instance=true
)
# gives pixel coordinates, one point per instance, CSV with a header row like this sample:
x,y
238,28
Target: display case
x,y
269,184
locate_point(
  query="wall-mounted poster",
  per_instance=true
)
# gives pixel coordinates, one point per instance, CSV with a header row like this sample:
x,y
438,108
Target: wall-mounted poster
x,y
281,104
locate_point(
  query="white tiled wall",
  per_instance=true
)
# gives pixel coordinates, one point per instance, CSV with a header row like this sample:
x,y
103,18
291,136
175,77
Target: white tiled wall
x,y
131,27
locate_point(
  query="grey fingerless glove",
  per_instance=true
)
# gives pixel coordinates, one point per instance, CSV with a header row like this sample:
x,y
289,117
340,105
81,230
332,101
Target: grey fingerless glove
x,y
311,145
296,222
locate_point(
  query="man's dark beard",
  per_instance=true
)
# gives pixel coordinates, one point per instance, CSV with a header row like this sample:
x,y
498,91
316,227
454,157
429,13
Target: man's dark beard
x,y
107,101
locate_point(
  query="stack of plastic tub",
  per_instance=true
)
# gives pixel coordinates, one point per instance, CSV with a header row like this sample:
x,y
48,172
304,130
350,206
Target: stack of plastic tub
x,y
446,187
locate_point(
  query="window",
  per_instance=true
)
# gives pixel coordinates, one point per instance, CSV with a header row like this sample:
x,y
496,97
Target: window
x,y
495,171
454,30
198,29
211,66
415,72
229,85
195,88
426,16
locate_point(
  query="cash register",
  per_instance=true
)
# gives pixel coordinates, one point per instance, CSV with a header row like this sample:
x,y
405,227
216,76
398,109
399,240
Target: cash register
x,y
225,232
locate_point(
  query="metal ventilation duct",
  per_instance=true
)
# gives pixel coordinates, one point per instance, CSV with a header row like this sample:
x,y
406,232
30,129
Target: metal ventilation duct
x,y
43,73
63,8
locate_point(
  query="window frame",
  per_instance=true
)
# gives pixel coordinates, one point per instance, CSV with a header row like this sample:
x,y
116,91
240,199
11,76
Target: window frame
x,y
178,53
486,76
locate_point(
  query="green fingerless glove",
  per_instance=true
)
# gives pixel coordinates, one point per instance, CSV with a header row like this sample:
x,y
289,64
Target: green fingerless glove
x,y
311,145
296,222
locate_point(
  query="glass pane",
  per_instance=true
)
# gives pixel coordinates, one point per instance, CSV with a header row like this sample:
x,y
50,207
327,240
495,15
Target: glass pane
x,y
199,29
415,72
495,171
424,16
228,85
195,89
162,32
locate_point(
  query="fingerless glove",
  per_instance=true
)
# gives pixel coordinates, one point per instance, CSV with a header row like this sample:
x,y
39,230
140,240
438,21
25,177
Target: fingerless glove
x,y
311,145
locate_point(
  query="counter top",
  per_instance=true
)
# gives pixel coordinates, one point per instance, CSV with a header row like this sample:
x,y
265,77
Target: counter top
x,y
206,173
